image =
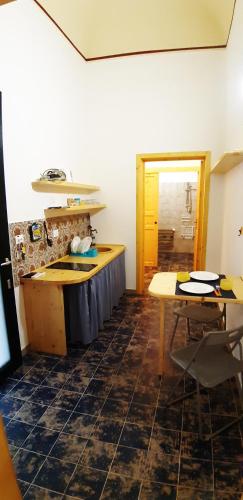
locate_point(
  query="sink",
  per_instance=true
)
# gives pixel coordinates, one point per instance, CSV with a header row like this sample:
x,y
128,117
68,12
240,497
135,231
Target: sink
x,y
104,249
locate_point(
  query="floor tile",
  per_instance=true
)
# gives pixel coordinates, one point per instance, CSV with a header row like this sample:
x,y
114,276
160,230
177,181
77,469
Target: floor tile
x,y
121,488
191,424
165,440
64,365
17,432
54,418
68,447
77,383
98,454
44,395
225,495
98,388
27,464
66,400
124,393
141,414
79,424
21,372
107,430
196,474
55,379
41,440
90,405
87,483
115,409
193,447
228,449
6,386
161,468
47,363
219,421
54,475
169,418
135,436
23,486
35,375
129,462
155,491
36,493
192,494
23,390
9,406
30,412
228,477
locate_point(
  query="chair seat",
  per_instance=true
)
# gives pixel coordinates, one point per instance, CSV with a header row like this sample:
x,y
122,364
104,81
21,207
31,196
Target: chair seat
x,y
207,368
201,314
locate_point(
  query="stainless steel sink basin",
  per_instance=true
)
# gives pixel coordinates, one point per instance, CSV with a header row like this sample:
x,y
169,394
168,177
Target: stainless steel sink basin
x,y
104,249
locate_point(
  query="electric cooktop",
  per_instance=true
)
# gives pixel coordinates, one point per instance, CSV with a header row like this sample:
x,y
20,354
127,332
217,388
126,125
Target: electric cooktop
x,y
72,266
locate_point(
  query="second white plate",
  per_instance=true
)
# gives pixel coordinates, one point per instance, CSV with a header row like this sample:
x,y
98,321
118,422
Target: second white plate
x,y
204,276
196,288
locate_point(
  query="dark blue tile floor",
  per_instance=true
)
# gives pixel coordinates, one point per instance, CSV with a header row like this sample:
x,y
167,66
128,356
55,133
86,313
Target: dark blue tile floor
x,y
94,425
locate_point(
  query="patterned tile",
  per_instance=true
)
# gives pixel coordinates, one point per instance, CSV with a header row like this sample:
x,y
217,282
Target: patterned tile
x,y
44,395
129,462
165,440
193,447
54,475
79,424
161,468
66,400
35,375
36,493
196,474
6,386
23,390
55,379
17,432
27,464
114,409
68,447
154,491
87,483
190,422
228,477
135,436
98,388
192,494
107,430
228,449
54,418
98,454
90,405
40,440
121,488
169,418
30,412
9,406
141,414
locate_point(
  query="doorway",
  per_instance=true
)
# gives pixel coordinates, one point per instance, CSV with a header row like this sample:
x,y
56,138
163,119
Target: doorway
x,y
10,352
147,207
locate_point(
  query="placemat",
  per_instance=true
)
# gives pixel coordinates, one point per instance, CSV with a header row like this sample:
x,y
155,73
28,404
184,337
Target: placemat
x,y
226,294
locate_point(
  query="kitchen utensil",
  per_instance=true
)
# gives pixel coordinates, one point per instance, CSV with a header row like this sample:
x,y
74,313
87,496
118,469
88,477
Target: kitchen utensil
x,y
75,244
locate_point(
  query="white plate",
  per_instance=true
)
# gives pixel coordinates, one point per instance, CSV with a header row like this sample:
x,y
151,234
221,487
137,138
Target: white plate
x,y
85,244
196,288
204,276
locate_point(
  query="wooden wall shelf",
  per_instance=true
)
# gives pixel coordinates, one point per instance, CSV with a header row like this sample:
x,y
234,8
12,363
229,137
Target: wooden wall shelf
x,y
227,162
80,209
63,187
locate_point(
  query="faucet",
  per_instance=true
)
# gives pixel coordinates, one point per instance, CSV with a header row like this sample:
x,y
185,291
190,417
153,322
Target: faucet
x,y
91,233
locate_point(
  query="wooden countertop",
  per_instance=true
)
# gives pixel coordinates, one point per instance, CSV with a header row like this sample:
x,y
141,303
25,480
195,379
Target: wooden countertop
x,y
67,277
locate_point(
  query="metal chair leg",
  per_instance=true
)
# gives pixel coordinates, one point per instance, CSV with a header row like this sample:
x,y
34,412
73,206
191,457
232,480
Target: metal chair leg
x,y
199,411
174,332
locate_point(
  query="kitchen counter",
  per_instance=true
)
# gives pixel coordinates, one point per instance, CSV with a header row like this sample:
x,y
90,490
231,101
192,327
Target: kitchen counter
x,y
46,296
68,277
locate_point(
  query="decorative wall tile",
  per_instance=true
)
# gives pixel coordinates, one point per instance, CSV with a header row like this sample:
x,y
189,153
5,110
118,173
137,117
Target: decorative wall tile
x,y
39,253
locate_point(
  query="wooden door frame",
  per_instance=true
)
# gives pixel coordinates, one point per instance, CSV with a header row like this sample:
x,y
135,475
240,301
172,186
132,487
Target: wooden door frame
x,y
141,159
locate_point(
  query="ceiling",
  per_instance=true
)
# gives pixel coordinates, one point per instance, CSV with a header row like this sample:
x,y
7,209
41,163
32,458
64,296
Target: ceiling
x,y
111,28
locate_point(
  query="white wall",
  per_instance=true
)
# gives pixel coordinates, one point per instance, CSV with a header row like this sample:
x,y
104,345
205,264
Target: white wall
x,y
149,103
42,81
232,219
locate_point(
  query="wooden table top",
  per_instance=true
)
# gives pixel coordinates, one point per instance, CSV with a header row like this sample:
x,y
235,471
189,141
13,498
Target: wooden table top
x,y
68,277
163,286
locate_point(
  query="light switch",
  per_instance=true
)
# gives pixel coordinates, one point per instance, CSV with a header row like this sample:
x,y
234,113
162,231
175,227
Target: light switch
x,y
19,239
55,233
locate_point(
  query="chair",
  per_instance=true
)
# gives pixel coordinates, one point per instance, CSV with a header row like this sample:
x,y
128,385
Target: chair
x,y
200,314
210,362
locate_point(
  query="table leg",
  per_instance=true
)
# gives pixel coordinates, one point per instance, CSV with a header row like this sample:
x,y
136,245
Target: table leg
x,y
162,338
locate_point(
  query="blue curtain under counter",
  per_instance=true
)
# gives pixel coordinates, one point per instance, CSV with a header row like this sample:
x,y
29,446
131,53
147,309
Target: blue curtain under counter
x,y
89,304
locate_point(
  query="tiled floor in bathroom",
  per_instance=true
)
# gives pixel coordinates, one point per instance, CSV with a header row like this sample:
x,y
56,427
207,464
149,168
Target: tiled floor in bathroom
x,y
93,424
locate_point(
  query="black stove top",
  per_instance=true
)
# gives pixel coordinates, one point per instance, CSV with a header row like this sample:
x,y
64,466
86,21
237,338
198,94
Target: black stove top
x,y
72,266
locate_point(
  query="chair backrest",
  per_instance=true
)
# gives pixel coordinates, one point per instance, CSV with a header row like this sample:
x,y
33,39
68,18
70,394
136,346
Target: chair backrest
x,y
224,337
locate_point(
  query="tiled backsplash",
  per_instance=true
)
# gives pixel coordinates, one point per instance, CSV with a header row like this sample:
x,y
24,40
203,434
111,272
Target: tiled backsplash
x,y
39,253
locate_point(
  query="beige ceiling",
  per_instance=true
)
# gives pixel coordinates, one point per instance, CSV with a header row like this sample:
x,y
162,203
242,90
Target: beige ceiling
x,y
105,28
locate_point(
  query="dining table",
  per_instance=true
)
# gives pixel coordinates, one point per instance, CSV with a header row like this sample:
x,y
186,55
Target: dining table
x,y
164,286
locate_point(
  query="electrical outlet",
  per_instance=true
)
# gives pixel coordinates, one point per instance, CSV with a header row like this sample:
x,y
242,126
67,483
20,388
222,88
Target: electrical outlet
x,y
19,239
55,233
